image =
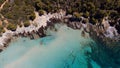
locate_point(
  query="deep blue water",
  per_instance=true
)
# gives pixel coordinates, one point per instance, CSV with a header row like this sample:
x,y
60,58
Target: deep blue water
x,y
65,48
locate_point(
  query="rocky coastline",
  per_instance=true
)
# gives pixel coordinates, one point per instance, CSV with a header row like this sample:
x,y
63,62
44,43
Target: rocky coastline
x,y
49,20
107,40
35,30
106,36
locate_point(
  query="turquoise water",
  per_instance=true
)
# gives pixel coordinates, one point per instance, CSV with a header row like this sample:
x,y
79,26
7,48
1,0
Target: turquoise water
x,y
65,48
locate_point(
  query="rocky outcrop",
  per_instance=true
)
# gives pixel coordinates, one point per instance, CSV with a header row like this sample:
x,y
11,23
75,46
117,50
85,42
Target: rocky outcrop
x,y
105,36
31,31
33,34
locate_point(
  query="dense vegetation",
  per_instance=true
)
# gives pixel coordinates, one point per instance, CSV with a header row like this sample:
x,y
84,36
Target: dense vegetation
x,y
2,29
18,11
11,27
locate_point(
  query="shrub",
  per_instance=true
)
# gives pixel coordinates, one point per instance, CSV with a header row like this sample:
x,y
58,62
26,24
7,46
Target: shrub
x,y
90,7
100,14
32,16
11,27
86,14
69,11
26,23
93,20
2,29
41,12
114,14
77,15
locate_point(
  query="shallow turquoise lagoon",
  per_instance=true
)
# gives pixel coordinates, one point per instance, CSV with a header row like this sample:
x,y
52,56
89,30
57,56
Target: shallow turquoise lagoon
x,y
65,48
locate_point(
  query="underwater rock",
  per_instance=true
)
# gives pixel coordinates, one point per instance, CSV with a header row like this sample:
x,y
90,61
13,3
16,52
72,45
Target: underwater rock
x,y
1,50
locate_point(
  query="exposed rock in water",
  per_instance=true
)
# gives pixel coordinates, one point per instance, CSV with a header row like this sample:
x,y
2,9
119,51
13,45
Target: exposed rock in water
x,y
108,47
118,28
41,32
1,50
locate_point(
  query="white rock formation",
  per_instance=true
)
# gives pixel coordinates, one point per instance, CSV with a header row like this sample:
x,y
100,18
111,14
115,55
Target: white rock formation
x,y
39,21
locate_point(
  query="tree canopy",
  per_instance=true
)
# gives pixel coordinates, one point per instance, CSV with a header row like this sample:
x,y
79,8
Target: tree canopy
x,y
96,9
